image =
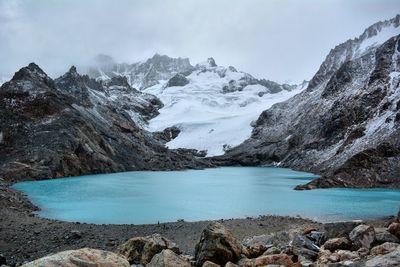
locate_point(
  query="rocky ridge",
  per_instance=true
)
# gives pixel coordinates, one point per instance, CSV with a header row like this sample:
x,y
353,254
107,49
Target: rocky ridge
x,y
75,125
346,124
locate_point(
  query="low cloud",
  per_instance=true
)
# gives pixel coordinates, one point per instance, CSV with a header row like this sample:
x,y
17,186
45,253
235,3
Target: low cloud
x,y
282,40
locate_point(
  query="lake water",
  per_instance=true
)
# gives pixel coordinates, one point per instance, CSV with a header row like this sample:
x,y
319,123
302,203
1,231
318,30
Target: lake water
x,y
231,192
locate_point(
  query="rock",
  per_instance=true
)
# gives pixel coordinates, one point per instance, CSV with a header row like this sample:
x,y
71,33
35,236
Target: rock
x,y
268,240
318,238
304,248
325,256
230,264
340,229
255,251
384,248
210,264
382,235
305,262
281,259
81,257
3,260
217,244
362,236
309,230
75,234
177,80
142,249
272,250
345,255
394,229
168,258
304,242
391,259
337,243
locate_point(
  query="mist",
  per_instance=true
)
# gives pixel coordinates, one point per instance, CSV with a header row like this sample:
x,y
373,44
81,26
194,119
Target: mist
x,y
281,40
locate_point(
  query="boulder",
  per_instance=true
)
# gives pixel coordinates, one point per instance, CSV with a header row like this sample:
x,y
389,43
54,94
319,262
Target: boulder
x,y
230,264
168,258
394,229
142,249
362,236
279,259
272,250
382,235
384,248
303,242
337,243
391,259
345,255
79,258
210,264
318,238
340,229
217,244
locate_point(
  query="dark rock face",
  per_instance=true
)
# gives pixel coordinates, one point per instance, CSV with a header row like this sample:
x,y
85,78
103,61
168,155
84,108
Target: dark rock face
x,y
167,134
177,80
68,127
343,126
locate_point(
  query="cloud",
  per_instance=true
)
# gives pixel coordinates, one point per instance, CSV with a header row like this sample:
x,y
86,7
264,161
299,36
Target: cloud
x,y
275,39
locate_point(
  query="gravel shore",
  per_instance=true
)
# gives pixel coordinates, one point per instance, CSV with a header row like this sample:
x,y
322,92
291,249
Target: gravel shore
x,y
25,236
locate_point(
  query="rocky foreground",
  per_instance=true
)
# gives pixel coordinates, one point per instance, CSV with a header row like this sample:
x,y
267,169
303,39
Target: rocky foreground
x,y
334,244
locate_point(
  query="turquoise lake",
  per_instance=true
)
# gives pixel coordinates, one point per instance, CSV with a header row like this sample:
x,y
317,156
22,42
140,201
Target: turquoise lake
x,y
142,197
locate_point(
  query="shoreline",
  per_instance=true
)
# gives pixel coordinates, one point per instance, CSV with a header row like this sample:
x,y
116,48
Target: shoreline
x,y
24,236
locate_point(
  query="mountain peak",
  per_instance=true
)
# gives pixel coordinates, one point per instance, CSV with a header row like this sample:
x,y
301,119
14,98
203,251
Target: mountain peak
x,y
211,62
31,72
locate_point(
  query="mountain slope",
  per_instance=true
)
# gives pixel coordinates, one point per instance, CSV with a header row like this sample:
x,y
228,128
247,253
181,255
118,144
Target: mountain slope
x,y
69,126
346,124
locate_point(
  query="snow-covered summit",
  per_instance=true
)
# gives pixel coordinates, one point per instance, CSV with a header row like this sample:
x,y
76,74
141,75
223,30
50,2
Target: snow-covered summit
x,y
366,43
141,74
215,106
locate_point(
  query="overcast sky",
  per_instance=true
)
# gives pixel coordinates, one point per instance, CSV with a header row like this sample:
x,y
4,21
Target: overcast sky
x,y
281,40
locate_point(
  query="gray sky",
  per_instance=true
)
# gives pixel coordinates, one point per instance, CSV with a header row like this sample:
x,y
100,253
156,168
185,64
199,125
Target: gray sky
x,y
281,40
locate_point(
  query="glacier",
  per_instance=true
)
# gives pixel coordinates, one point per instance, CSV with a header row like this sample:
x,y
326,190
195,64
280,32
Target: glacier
x,y
210,119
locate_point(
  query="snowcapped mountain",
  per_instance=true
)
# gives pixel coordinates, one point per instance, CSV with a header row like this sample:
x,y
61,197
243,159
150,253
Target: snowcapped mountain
x,y
140,75
207,103
346,124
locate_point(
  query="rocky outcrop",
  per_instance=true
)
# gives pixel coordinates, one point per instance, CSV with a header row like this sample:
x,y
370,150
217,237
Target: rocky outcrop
x,y
66,127
218,245
345,125
140,250
177,80
81,257
167,134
